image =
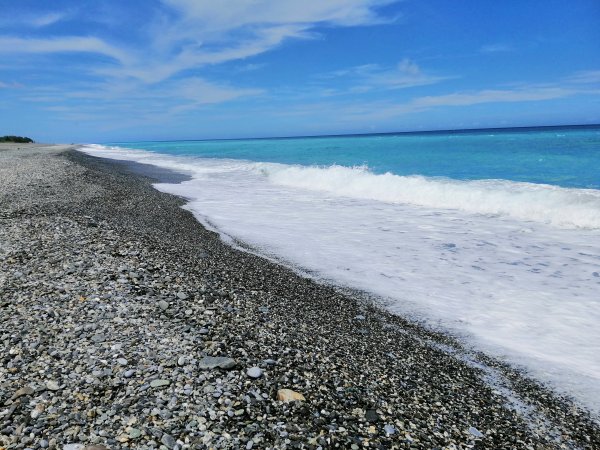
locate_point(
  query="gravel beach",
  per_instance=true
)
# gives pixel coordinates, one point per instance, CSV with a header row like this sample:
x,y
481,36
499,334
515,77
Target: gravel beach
x,y
126,324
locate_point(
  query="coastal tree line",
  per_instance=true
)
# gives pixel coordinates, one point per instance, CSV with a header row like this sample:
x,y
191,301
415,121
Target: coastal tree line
x,y
16,139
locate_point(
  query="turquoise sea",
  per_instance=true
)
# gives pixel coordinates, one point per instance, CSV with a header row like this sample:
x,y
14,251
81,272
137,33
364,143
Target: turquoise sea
x,y
562,156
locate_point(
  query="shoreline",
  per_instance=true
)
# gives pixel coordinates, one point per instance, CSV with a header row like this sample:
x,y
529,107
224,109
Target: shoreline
x,y
367,375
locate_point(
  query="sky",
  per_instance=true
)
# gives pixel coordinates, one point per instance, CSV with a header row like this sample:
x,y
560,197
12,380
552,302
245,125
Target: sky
x,y
113,70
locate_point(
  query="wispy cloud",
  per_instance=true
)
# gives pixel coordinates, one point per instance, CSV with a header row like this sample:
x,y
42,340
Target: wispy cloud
x,y
63,45
46,19
585,77
368,77
11,85
496,48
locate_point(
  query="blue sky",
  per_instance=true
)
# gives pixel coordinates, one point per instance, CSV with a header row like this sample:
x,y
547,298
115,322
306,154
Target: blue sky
x,y
113,70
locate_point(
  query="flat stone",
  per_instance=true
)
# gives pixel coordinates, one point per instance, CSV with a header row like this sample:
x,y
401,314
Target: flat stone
x,y
216,362
73,447
254,372
98,338
287,395
163,305
182,296
134,433
122,361
26,390
129,373
475,432
168,440
159,383
52,386
372,416
95,447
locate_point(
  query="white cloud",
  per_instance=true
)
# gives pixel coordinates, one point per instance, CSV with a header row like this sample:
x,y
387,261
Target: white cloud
x,y
367,77
496,48
524,94
46,19
585,77
63,45
227,15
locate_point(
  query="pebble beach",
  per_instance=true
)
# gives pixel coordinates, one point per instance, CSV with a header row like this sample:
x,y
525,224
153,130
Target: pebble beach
x,y
124,323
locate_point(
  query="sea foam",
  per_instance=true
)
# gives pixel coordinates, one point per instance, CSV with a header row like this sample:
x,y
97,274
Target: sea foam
x,y
562,207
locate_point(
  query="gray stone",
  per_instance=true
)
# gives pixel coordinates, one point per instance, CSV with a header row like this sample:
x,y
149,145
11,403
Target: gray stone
x,y
129,373
254,372
182,296
214,362
389,429
98,338
52,385
475,432
163,305
159,383
26,390
44,443
168,440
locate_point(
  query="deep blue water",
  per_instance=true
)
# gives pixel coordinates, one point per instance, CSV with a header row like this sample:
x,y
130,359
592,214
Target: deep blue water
x,y
563,156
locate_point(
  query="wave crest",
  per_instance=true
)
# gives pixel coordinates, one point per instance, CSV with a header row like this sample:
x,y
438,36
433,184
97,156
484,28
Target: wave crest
x,y
558,206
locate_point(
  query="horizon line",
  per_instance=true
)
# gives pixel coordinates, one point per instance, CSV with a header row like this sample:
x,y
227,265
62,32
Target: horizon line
x,y
386,133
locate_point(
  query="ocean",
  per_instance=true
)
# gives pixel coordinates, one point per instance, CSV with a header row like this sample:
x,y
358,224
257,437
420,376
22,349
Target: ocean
x,y
491,235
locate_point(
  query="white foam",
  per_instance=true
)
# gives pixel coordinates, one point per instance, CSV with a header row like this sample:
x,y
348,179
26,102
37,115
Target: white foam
x,y
576,208
511,267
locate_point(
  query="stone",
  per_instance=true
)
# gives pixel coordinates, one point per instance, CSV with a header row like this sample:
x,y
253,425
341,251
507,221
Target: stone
x,y
214,362
287,395
168,440
134,433
372,416
52,385
359,317
95,447
26,390
129,373
44,443
37,411
73,447
98,338
159,383
254,372
182,296
475,432
389,429
181,361
163,305
122,361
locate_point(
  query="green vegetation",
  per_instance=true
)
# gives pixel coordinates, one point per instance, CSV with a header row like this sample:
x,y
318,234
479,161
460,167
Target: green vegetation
x,y
16,139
